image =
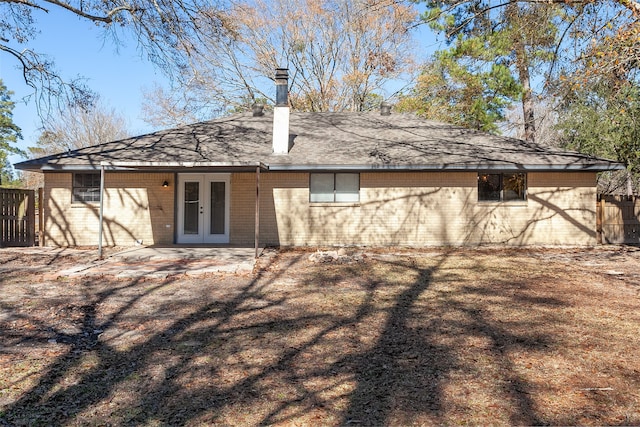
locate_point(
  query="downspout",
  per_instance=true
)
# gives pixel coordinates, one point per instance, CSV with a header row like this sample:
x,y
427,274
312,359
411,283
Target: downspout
x,y
101,211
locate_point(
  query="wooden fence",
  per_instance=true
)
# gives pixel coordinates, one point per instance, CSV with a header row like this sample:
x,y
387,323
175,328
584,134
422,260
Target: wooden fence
x,y
17,217
618,219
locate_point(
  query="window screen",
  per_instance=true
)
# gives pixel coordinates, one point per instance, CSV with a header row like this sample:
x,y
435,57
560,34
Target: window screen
x,y
321,187
334,187
347,187
86,187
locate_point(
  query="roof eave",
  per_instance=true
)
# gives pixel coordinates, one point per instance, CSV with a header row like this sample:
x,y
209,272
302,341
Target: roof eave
x,y
137,166
594,167
248,166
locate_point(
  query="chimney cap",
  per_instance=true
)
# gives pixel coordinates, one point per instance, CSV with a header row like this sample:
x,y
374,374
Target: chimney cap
x,y
282,87
385,109
282,75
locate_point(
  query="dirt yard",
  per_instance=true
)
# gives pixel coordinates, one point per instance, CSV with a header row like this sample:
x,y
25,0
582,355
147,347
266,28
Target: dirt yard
x,y
380,337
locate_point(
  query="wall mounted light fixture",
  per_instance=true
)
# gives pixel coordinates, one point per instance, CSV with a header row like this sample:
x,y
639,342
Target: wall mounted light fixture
x,y
165,183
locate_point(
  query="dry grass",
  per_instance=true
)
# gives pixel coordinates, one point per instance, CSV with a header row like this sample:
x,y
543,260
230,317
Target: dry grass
x,y
490,336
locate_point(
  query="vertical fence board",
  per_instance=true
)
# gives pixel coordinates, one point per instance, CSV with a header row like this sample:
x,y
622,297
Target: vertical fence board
x,y
17,217
40,217
620,219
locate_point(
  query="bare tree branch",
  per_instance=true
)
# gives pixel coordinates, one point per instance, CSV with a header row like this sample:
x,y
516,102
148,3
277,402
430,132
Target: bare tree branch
x,y
341,55
107,18
168,31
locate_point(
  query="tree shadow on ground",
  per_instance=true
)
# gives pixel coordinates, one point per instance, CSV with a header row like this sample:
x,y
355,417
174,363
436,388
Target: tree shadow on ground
x,y
405,376
371,343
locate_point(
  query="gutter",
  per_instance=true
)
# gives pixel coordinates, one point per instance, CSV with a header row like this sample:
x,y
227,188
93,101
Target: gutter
x,y
136,166
598,167
595,167
124,166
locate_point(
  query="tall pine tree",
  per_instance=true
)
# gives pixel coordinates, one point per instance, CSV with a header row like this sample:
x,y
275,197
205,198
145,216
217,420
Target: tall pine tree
x,y
507,42
9,133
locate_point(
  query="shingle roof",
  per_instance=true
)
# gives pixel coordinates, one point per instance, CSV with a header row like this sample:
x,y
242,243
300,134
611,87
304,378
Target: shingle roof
x,y
358,141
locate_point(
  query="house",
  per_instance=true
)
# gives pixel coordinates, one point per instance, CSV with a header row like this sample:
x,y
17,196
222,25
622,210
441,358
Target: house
x,y
289,178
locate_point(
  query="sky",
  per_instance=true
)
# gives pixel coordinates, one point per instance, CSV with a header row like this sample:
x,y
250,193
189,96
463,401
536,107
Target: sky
x,y
79,48
119,74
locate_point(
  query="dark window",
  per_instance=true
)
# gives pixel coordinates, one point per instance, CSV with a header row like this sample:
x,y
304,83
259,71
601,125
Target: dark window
x,y
334,187
496,187
86,187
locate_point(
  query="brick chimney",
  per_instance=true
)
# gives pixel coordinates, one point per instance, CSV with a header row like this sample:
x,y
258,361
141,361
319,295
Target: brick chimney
x,y
281,113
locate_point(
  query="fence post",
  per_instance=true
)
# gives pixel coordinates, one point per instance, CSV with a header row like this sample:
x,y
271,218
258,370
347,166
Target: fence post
x,y
41,216
31,218
600,206
3,214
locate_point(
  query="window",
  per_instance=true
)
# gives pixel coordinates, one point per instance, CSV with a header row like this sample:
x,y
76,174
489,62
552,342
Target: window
x,y
334,187
497,187
86,187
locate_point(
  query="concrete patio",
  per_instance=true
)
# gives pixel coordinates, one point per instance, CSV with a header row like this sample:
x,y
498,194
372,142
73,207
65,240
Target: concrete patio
x,y
173,260
157,262
178,252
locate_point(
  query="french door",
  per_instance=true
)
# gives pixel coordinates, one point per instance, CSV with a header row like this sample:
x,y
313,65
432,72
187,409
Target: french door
x,y
203,208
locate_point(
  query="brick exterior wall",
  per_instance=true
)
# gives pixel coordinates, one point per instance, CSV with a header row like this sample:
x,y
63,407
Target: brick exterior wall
x,y
395,208
424,208
136,208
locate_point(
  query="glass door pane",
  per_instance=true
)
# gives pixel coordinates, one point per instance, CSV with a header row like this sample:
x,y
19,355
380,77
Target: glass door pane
x,y
217,208
191,207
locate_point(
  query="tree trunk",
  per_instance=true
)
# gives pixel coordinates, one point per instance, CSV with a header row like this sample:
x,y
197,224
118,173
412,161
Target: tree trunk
x,y
527,94
522,66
